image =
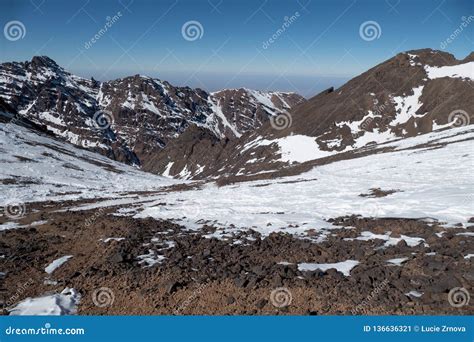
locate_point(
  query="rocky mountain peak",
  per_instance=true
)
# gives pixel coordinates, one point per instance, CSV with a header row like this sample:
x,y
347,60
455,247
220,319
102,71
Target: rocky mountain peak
x,y
43,61
412,93
469,58
135,117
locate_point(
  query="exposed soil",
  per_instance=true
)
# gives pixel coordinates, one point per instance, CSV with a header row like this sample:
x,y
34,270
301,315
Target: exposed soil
x,y
202,275
377,192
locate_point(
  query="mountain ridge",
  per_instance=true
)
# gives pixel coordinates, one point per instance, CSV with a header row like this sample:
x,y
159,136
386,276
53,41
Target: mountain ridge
x,y
131,118
240,133
414,92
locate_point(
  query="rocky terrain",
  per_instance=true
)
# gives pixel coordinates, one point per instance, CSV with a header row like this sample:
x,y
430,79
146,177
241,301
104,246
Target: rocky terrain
x,y
112,268
356,201
81,233
132,119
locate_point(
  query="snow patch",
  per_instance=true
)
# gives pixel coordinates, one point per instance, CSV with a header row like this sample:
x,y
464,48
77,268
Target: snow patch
x,y
64,303
57,263
407,106
344,267
465,71
397,261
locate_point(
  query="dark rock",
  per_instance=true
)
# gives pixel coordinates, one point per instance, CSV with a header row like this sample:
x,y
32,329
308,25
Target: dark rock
x,y
252,282
258,270
469,276
172,287
444,284
116,258
261,303
241,282
402,244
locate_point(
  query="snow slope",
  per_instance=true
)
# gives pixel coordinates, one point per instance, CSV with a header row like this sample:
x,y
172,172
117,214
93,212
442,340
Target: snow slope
x,y
37,168
431,174
430,182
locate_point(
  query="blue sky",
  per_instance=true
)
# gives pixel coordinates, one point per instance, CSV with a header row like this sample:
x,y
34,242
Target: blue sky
x,y
322,45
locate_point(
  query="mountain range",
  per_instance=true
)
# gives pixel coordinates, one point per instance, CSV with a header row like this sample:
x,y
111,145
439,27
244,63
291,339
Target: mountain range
x,y
132,118
240,133
368,186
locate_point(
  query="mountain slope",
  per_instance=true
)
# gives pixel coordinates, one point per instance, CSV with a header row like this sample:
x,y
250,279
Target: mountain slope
x,y
73,219
235,134
38,167
412,93
131,119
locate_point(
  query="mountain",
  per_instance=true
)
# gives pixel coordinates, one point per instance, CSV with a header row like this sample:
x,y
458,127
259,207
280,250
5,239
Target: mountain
x,y
242,134
413,93
323,197
74,223
132,119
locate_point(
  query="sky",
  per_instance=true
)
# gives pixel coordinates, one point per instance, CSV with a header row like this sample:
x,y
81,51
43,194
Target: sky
x,y
295,45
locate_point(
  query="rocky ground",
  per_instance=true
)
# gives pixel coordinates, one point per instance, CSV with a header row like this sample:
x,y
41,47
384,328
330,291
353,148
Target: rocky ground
x,y
159,267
